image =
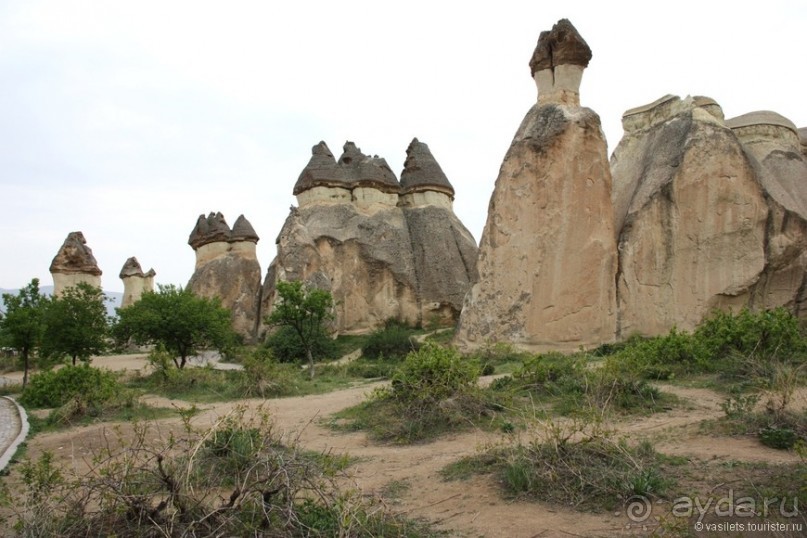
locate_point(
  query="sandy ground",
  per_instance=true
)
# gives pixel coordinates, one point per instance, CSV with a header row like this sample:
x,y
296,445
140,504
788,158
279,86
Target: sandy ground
x,y
474,507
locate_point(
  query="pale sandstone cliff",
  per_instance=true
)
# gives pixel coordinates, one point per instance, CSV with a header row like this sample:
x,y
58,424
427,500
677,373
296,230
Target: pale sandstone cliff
x,y
548,257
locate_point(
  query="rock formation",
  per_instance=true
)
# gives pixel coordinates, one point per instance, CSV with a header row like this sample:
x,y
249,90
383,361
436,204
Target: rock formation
x,y
444,250
547,258
372,245
135,281
227,267
691,213
74,263
711,214
771,143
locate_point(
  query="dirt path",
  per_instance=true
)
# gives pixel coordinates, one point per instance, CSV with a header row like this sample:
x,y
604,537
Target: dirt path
x,y
472,507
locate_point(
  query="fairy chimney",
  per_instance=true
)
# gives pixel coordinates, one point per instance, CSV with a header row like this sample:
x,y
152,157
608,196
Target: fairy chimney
x,y
74,263
135,281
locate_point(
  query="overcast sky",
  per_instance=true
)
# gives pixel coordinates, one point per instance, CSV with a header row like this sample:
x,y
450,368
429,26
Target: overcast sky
x,y
126,120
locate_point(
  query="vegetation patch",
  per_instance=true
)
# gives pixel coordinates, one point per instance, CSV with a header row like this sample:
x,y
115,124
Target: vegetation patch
x,y
395,340
572,385
574,464
434,391
237,478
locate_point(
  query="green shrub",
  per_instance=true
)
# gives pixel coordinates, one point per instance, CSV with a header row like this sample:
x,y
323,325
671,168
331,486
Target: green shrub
x,y
432,374
394,340
781,438
432,392
549,372
265,377
286,345
766,334
55,388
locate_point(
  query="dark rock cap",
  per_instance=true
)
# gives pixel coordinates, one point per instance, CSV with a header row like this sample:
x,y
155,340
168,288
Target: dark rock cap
x,y
321,171
132,268
562,45
209,230
422,172
75,257
353,169
243,230
365,171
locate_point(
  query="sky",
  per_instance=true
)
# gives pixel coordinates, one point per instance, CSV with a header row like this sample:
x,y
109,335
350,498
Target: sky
x,y
127,120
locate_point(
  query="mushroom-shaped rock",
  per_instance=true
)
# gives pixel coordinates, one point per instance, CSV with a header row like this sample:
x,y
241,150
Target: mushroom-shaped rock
x,y
131,268
75,257
364,171
135,281
74,264
321,171
243,231
563,45
422,172
803,139
209,230
558,62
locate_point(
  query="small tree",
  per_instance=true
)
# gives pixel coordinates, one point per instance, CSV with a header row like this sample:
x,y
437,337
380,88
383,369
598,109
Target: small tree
x,y
178,320
76,324
22,326
304,310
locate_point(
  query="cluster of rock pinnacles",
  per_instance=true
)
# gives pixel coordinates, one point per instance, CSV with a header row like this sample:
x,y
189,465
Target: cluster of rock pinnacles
x,y
692,213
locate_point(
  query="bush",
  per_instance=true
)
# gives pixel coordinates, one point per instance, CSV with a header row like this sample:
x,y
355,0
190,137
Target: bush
x,y
432,374
766,334
286,345
55,388
435,390
265,377
393,341
235,479
737,345
549,372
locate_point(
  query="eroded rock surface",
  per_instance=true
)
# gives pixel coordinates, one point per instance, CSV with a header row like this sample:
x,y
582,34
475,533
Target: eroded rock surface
x,y
227,267
547,258
135,281
711,214
74,263
382,249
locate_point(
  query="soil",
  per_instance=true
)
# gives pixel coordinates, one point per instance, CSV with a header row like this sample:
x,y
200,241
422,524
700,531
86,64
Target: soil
x,y
473,507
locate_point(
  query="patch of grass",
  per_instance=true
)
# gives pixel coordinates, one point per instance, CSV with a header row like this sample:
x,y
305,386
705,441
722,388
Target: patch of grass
x,y
395,489
780,428
442,337
500,357
574,464
571,386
